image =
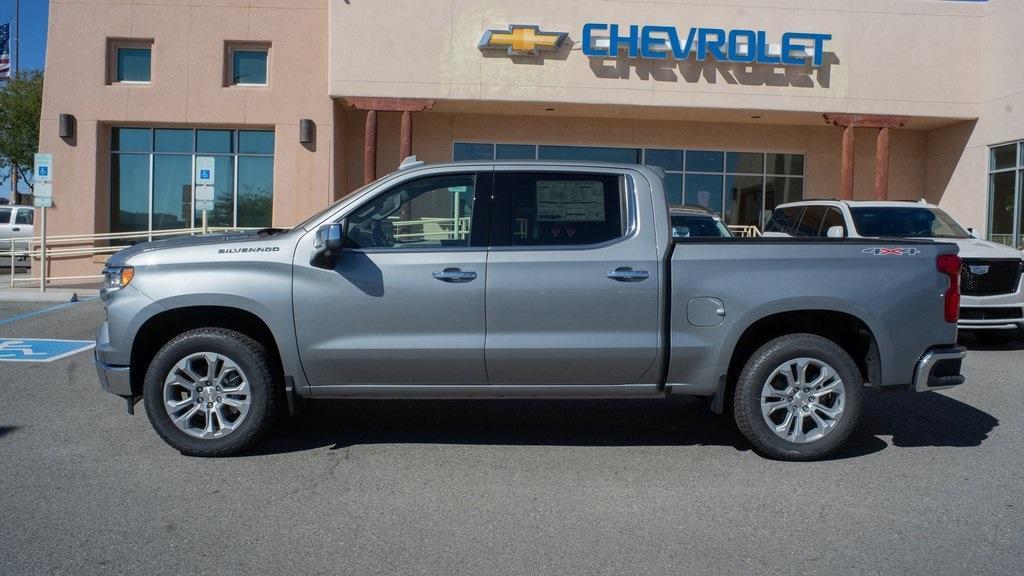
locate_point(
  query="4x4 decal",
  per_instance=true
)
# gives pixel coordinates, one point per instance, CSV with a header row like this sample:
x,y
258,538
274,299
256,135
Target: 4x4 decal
x,y
892,251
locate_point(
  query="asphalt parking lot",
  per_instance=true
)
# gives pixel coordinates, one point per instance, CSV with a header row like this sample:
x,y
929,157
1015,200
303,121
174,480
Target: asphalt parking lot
x,y
931,484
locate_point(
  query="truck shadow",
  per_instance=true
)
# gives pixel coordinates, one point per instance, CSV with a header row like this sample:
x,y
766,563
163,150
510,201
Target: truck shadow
x,y
972,342
922,419
911,420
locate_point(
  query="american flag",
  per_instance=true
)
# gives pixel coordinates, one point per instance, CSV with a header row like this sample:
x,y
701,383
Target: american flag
x,y
5,50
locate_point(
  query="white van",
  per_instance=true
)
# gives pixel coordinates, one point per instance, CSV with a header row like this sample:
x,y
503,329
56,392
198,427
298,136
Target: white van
x,y
15,222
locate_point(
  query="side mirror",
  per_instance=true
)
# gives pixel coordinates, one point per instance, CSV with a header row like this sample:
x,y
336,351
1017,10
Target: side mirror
x,y
327,245
835,232
680,231
972,232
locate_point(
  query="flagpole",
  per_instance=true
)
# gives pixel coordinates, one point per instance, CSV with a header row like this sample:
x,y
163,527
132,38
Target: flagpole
x,y
15,196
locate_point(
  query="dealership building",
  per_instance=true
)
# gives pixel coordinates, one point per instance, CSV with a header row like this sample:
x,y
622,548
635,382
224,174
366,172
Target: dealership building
x,y
745,104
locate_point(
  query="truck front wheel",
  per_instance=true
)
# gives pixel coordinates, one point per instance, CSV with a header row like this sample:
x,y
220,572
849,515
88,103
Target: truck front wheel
x,y
211,392
798,397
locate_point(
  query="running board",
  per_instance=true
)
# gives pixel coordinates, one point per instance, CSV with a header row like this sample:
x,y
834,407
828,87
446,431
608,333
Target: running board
x,y
438,391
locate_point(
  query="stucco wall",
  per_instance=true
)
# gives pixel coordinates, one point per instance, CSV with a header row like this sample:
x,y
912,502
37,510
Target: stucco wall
x,y
187,90
950,66
958,155
916,57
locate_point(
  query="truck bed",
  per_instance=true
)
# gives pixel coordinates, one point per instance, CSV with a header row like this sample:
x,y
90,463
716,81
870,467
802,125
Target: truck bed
x,y
722,287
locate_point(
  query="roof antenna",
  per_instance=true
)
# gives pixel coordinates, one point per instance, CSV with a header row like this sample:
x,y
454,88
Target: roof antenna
x,y
409,162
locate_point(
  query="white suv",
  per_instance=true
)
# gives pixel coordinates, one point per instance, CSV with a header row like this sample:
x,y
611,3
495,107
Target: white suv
x,y
992,296
16,223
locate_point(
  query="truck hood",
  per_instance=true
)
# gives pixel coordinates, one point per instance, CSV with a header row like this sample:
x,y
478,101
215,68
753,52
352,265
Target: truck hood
x,y
976,248
120,258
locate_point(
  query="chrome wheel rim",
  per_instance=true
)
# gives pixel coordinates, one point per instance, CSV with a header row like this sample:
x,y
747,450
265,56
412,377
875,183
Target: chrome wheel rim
x,y
803,400
207,395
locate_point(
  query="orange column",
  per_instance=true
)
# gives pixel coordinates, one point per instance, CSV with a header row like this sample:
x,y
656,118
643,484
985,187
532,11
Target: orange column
x,y
370,147
846,176
882,165
405,147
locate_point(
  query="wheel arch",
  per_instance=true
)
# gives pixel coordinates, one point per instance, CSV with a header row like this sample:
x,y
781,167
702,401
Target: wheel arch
x,y
160,328
849,331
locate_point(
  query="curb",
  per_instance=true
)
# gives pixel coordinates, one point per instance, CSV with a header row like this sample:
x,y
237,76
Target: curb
x,y
51,295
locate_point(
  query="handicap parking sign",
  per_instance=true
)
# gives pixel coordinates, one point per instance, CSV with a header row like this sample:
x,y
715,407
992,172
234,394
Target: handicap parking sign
x,y
204,174
44,170
40,350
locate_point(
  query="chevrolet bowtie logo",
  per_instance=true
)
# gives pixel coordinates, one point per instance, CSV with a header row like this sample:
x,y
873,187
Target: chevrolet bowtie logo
x,y
522,40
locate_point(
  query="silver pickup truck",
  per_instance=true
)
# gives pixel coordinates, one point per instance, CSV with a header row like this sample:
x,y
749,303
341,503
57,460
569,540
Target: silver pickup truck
x,y
522,279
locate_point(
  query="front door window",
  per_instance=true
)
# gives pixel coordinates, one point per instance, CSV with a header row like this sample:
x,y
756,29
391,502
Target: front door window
x,y
432,212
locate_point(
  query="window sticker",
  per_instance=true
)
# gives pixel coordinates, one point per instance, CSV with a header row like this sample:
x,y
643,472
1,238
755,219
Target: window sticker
x,y
570,201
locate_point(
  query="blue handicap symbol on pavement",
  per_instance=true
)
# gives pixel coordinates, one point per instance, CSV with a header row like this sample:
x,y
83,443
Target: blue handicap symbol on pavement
x,y
204,174
39,350
44,170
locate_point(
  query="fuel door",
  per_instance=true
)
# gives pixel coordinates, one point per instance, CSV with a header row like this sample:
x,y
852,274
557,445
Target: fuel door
x,y
705,311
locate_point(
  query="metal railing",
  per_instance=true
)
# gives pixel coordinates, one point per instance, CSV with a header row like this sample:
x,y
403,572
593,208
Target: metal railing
x,y
745,231
35,249
432,229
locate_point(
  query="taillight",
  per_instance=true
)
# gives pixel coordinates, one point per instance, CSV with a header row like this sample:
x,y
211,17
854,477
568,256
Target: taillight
x,y
949,264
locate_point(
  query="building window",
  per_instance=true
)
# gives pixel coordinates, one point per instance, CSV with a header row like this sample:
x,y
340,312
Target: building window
x,y
130,61
1006,194
249,64
152,172
589,153
743,187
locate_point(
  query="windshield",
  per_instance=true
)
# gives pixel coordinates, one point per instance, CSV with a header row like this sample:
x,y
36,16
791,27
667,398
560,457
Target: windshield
x,y
906,222
688,226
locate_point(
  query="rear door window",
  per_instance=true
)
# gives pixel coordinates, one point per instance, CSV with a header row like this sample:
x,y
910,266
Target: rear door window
x,y
784,220
833,217
558,209
810,221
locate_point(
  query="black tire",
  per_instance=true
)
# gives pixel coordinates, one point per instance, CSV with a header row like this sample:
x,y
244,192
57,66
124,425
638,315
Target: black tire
x,y
761,364
251,357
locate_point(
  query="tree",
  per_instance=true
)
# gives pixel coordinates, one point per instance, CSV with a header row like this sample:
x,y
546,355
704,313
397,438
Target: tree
x,y
21,101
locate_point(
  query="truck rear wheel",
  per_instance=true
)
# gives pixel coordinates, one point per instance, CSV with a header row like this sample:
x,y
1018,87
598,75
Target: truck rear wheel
x,y
798,397
211,392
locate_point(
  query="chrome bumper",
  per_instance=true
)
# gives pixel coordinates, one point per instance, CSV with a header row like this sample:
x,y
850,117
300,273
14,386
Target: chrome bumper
x,y
114,379
939,368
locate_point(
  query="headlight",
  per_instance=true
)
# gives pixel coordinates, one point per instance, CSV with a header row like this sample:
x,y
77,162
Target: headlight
x,y
117,277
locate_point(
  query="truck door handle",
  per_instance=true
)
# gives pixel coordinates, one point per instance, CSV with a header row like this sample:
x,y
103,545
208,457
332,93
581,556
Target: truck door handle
x,y
15,229
455,275
627,274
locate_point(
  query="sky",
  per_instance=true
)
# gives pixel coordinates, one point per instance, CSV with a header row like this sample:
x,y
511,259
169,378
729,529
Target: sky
x,y
33,30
